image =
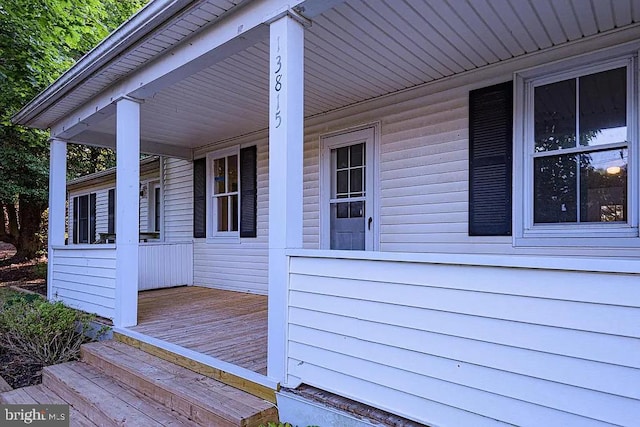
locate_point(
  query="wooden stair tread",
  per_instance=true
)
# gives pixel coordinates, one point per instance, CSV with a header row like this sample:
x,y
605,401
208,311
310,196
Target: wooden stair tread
x,y
105,401
42,395
199,397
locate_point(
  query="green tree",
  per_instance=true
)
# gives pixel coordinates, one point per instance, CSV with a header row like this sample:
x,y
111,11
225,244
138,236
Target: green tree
x,y
39,40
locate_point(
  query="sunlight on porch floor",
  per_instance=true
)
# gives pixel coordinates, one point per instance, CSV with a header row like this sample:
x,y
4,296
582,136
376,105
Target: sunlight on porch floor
x,y
231,326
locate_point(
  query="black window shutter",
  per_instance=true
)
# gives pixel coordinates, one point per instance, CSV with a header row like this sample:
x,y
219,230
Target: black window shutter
x,y
75,219
111,207
248,192
490,160
92,218
200,198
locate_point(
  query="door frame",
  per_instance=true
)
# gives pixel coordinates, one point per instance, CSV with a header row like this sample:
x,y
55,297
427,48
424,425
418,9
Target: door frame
x,y
324,180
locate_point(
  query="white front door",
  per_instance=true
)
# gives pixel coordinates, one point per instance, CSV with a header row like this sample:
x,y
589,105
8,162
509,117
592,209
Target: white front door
x,y
348,218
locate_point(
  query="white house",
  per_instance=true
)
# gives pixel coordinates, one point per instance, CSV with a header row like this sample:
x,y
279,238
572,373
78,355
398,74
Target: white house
x,y
441,198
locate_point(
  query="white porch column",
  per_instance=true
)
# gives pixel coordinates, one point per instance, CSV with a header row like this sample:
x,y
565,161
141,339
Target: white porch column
x,y
57,203
127,211
285,176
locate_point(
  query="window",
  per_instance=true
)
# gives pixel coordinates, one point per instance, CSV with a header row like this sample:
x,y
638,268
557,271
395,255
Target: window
x,y
84,219
224,200
225,194
580,149
578,138
155,207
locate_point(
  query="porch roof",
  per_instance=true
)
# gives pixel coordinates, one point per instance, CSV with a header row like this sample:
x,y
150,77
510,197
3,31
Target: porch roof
x,y
355,50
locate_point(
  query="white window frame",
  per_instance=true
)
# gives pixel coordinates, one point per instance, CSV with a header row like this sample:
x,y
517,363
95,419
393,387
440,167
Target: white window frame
x,y
212,212
526,233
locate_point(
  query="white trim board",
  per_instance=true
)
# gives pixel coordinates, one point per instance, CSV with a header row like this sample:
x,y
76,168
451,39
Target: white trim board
x,y
601,265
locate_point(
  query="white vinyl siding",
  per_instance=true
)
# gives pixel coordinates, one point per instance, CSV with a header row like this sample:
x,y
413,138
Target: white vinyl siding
x,y
178,200
522,346
241,264
84,277
423,166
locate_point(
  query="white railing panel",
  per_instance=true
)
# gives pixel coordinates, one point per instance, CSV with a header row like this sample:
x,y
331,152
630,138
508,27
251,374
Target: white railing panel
x,y
163,265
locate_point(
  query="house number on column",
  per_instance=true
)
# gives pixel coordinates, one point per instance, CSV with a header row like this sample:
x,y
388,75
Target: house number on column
x,y
278,85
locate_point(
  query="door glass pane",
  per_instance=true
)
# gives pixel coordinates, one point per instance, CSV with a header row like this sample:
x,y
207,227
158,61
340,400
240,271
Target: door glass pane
x,y
603,186
357,155
223,213
356,180
342,210
555,116
342,183
232,165
555,182
219,176
603,107
347,233
356,209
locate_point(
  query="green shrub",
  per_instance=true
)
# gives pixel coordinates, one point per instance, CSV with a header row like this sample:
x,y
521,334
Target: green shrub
x,y
42,331
40,270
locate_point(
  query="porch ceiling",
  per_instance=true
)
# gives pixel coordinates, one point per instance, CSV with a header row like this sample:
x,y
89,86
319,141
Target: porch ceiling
x,y
363,49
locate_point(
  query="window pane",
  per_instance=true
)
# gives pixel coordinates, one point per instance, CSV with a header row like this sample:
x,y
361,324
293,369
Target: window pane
x,y
555,116
219,176
554,181
342,184
356,180
83,219
232,164
603,186
603,107
343,157
234,213
357,155
223,213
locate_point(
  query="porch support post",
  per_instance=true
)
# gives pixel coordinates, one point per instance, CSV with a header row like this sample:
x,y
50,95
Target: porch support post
x,y
57,203
127,211
285,176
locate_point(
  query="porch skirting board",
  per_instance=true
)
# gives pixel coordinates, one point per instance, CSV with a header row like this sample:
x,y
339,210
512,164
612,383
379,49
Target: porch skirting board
x,y
228,373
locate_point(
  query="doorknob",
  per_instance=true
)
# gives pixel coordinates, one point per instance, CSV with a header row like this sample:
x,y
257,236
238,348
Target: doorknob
x,y
369,222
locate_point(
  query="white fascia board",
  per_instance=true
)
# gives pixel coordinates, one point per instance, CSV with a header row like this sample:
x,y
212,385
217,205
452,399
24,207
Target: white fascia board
x,y
130,32
236,32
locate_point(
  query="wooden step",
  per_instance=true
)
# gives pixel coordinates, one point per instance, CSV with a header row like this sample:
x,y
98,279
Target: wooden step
x,y
257,389
105,401
39,394
198,397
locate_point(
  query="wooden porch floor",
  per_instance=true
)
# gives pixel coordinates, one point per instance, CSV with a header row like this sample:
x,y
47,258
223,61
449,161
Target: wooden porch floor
x,y
231,326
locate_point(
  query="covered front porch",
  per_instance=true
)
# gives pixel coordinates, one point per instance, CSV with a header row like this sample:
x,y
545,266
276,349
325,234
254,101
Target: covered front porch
x,y
432,321
230,326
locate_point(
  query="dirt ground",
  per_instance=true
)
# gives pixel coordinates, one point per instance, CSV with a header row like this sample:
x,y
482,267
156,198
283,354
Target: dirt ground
x,y
27,275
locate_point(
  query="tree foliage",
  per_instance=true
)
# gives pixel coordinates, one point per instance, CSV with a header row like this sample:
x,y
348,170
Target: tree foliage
x,y
39,40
